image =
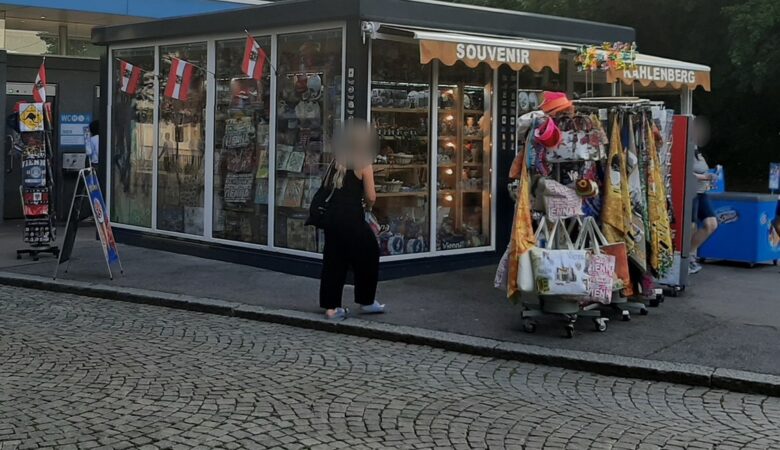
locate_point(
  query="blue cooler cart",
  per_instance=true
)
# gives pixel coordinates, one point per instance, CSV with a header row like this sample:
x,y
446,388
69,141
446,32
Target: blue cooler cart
x,y
746,229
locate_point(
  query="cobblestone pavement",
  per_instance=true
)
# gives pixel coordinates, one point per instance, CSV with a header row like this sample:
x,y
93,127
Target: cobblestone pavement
x,y
78,372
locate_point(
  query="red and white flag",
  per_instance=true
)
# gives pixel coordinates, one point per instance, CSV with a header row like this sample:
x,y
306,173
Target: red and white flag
x,y
179,79
254,59
130,77
39,90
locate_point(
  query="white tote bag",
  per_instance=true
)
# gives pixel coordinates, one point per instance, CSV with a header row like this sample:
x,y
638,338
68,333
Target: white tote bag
x,y
601,266
560,269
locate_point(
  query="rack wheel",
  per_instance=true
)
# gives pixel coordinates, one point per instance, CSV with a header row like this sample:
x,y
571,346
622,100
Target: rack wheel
x,y
569,331
643,312
654,302
529,326
626,316
18,256
774,262
601,324
35,258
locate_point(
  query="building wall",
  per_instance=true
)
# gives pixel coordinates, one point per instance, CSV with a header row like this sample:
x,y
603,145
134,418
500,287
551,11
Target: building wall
x,y
138,8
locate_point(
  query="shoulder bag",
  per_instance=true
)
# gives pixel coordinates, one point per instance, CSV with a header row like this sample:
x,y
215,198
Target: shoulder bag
x,y
318,210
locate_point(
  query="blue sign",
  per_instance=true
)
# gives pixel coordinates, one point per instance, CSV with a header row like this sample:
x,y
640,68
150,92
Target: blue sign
x,y
72,129
100,214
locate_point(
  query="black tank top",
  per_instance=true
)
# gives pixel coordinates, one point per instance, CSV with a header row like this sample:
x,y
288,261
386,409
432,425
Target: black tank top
x,y
348,200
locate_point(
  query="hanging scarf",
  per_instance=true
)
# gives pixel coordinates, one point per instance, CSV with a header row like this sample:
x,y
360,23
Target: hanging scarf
x,y
636,202
615,209
661,250
522,227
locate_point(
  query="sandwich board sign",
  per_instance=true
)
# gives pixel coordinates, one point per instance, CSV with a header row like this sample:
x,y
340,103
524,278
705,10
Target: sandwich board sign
x,y
88,188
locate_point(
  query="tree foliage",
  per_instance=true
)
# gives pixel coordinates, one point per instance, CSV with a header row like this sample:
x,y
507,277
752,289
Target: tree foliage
x,y
738,39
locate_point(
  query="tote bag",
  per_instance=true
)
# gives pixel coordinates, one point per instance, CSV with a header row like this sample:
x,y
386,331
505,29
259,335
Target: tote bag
x,y
601,266
559,269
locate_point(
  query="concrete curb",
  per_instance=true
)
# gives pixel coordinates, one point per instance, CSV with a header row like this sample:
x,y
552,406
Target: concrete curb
x,y
622,366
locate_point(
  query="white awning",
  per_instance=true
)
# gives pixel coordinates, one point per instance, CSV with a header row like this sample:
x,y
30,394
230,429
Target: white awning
x,y
472,50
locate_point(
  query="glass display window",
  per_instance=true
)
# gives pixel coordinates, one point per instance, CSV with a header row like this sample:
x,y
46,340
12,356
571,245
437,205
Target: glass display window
x,y
464,157
132,139
309,108
181,143
400,112
241,145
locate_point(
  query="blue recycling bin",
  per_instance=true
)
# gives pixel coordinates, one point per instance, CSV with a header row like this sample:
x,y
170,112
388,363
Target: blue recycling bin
x,y
746,228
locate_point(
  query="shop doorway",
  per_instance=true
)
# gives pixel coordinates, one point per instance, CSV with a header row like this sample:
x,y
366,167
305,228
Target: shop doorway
x,y
17,92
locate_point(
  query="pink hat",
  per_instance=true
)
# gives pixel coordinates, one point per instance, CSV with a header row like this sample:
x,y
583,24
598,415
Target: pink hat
x,y
555,102
548,134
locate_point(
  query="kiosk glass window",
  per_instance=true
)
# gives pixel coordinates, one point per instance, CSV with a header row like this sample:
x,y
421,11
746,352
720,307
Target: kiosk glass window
x,y
242,115
308,106
400,111
181,144
464,156
132,137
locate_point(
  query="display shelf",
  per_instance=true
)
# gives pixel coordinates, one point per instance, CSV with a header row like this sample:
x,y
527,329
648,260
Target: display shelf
x,y
402,139
399,166
391,109
402,194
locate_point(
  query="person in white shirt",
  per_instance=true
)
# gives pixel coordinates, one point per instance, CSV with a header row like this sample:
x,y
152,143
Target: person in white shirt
x,y
93,145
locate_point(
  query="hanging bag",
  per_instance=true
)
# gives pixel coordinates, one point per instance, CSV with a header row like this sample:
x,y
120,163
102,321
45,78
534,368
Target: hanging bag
x,y
601,265
560,269
320,202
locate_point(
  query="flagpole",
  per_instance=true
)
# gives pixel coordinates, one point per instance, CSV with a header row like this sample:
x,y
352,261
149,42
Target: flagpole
x,y
267,59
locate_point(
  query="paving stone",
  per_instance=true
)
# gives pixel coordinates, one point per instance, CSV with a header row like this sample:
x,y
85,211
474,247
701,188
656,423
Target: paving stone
x,y
83,373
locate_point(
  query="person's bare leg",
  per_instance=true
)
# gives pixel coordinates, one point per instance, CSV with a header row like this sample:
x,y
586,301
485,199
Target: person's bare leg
x,y
710,224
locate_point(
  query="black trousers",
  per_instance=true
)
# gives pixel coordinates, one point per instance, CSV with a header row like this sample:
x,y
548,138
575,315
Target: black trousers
x,y
349,246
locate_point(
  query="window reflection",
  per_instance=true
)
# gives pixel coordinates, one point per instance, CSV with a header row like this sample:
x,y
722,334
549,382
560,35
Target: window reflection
x,y
181,146
132,141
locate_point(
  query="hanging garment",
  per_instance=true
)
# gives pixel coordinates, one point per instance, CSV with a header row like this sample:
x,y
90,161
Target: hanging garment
x,y
522,228
661,249
614,210
637,201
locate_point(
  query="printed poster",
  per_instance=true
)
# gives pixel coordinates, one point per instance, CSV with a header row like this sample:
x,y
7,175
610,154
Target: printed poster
x,y
102,222
774,176
30,117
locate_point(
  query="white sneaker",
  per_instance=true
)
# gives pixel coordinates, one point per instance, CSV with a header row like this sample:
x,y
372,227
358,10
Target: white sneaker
x,y
694,267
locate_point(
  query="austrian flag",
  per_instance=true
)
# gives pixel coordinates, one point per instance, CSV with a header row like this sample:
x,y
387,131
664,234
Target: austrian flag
x,y
39,90
131,77
254,59
179,80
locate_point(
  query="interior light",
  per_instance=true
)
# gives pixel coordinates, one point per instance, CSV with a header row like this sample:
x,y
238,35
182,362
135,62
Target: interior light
x,y
450,117
448,171
448,197
43,17
450,144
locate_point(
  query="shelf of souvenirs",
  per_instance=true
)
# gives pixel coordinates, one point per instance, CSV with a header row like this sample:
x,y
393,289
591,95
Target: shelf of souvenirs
x,y
399,166
392,109
452,165
453,111
462,191
402,194
403,138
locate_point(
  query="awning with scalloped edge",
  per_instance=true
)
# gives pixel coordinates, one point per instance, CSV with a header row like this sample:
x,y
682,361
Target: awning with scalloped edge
x,y
662,72
473,50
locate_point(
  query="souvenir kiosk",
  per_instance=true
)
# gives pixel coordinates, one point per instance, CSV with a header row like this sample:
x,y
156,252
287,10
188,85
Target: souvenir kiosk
x,y
227,171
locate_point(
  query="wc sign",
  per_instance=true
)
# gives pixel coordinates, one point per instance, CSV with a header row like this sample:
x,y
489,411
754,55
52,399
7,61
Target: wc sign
x,y
72,129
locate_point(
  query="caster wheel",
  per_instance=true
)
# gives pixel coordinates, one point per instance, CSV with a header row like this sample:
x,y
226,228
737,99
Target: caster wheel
x,y
18,256
654,303
569,331
529,326
626,316
774,262
600,324
35,259
643,312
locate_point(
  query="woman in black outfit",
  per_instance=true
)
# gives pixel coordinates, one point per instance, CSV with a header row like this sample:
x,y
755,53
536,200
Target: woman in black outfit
x,y
349,241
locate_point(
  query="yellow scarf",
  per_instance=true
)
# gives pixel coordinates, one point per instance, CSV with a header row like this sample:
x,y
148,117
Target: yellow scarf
x,y
522,227
661,255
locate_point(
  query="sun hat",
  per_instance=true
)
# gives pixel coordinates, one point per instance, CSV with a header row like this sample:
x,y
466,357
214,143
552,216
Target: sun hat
x,y
548,134
555,102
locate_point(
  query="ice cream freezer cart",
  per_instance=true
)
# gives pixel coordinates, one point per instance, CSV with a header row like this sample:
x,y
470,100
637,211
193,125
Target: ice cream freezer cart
x,y
748,229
